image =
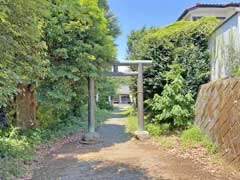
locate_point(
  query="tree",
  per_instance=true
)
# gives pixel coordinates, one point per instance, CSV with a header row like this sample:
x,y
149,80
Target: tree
x,y
80,45
22,59
111,18
174,106
52,47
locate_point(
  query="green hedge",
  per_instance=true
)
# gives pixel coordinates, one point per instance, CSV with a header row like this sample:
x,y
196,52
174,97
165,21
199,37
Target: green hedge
x,y
184,42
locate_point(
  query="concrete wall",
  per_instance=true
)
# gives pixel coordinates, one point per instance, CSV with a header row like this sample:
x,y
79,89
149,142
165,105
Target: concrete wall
x,y
223,41
218,115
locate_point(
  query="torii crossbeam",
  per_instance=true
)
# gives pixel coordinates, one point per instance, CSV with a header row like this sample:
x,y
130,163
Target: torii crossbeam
x,y
92,135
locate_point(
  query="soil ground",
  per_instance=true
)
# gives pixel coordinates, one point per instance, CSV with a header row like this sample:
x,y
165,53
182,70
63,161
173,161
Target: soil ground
x,y
120,157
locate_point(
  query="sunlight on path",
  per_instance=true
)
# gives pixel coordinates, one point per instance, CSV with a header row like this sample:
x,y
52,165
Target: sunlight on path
x,y
119,157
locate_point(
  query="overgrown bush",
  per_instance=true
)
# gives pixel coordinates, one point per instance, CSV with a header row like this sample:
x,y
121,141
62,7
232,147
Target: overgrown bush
x,y
17,146
106,89
171,99
175,105
185,42
130,111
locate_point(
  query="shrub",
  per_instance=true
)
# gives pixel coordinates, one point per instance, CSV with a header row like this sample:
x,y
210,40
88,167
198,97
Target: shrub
x,y
18,146
11,145
183,41
194,137
174,105
157,129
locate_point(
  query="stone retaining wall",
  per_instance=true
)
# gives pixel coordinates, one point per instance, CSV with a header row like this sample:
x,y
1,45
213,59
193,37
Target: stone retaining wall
x,y
218,115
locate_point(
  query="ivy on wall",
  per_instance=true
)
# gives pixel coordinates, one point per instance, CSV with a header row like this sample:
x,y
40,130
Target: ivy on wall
x,y
225,49
184,44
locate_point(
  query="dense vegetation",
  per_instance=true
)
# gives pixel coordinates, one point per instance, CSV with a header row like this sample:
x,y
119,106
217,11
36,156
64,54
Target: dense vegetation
x,y
174,106
48,49
22,49
181,63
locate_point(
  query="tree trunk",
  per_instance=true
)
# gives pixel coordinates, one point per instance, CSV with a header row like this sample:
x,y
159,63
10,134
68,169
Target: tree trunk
x,y
26,107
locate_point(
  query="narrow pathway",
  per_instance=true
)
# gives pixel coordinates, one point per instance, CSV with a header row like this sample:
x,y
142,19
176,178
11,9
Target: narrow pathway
x,y
119,157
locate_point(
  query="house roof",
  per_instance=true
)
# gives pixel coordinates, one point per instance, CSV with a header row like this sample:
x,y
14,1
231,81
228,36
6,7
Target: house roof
x,y
201,5
124,89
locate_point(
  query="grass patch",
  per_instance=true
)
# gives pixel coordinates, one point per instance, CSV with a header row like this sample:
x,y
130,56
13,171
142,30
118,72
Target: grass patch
x,y
190,138
132,121
100,116
153,129
194,137
130,111
18,147
132,124
157,129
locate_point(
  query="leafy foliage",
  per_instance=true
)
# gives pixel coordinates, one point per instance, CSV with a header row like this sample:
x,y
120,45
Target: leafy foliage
x,y
80,44
174,105
170,90
17,146
184,42
54,46
22,57
106,89
111,18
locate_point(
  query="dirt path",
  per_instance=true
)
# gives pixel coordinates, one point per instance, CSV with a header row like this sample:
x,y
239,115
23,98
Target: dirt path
x,y
119,158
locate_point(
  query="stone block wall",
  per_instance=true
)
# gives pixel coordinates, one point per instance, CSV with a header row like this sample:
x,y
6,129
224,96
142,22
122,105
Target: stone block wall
x,y
218,115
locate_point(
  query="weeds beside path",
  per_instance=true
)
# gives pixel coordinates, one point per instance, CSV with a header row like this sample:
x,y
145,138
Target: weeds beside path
x,y
21,151
120,157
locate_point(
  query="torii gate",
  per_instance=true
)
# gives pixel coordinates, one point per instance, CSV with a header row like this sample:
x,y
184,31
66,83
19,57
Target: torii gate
x,y
92,135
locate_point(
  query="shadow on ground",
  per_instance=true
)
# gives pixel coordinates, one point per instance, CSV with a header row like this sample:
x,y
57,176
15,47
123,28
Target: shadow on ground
x,y
91,170
112,132
76,161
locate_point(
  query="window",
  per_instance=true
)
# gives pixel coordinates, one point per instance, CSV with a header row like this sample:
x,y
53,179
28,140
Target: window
x,y
194,18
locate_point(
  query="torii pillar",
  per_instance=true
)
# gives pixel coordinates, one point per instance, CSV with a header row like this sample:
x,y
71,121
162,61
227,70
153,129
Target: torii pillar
x,y
91,106
91,135
140,98
140,133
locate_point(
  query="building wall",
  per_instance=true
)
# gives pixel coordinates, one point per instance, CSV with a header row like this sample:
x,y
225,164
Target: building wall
x,y
124,89
223,45
217,12
218,115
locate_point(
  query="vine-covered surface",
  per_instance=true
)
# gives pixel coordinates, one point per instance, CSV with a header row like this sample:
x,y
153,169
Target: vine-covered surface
x,y
225,53
184,43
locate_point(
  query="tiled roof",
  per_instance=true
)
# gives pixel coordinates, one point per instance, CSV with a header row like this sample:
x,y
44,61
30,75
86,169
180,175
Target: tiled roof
x,y
203,5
